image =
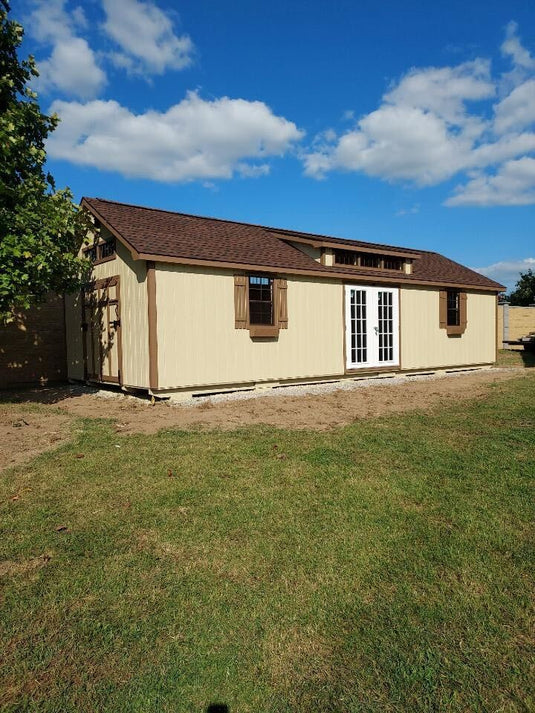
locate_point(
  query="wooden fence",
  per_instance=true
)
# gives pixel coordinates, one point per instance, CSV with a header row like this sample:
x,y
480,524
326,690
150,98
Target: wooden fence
x,y
514,322
32,349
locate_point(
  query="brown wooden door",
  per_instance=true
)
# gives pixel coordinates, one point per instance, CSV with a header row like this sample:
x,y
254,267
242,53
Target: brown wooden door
x,y
102,325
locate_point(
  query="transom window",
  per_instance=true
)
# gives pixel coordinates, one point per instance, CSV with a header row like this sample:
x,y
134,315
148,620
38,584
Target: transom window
x,y
454,308
358,259
346,257
91,253
107,249
393,263
260,300
101,251
368,260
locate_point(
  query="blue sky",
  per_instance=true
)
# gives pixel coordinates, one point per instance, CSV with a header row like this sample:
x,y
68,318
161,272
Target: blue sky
x,y
410,123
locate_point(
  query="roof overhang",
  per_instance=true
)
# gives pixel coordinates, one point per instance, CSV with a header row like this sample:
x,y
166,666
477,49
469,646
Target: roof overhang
x,y
337,275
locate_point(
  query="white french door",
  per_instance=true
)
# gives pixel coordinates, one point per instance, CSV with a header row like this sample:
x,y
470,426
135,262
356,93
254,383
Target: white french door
x,y
372,326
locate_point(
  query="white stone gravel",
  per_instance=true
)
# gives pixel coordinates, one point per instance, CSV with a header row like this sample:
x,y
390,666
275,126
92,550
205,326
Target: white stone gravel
x,y
318,389
329,387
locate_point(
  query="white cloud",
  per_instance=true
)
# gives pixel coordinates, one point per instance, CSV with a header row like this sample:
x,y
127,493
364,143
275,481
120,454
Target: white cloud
x,y
435,124
195,139
507,272
402,143
421,132
143,36
512,184
146,37
72,69
517,110
513,48
444,91
72,66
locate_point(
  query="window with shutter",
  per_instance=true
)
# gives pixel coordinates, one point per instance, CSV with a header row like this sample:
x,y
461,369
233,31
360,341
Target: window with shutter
x,y
260,305
452,311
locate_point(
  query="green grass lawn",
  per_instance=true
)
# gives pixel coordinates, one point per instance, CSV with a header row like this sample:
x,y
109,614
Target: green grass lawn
x,y
385,566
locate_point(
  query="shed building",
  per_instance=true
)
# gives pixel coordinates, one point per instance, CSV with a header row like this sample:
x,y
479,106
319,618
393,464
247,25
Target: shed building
x,y
182,305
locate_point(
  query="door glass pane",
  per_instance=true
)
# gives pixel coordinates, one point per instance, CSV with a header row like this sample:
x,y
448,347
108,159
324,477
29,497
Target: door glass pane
x,y
385,326
358,315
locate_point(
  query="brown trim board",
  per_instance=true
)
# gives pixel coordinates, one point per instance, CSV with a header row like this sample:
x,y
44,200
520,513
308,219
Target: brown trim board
x,y
119,332
496,331
84,328
112,230
153,324
346,277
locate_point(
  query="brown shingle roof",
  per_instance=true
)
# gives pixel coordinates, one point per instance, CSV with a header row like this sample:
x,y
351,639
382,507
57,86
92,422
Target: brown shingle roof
x,y
164,234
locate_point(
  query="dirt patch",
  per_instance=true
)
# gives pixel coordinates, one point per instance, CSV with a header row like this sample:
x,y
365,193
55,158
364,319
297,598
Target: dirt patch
x,y
9,568
322,410
25,433
296,655
319,411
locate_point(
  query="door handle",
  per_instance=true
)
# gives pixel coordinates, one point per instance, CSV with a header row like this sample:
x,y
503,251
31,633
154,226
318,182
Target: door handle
x,y
376,330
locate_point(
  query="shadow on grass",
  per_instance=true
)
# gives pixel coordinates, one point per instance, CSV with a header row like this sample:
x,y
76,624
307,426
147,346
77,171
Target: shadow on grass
x,y
53,394
528,357
516,357
218,708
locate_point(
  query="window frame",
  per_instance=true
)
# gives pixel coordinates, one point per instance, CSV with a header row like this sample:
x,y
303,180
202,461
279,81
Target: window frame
x,y
445,311
242,305
97,249
368,260
453,308
260,283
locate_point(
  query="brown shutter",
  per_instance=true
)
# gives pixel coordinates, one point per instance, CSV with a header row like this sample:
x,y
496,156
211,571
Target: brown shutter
x,y
443,309
462,310
281,303
240,302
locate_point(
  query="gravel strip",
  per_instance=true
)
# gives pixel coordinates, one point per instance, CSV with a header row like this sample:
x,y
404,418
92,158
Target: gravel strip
x,y
328,387
348,384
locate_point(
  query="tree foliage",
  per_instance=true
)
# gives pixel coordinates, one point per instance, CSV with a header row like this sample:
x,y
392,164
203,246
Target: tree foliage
x,y
41,229
524,294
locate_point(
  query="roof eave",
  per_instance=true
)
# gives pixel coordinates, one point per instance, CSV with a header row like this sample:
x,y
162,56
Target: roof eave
x,y
343,276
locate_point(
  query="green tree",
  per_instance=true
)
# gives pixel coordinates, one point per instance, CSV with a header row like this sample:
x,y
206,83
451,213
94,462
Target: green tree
x,y
41,229
525,290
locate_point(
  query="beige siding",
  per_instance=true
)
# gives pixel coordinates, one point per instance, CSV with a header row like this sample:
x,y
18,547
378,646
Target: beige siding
x,y
424,345
521,322
198,344
134,319
310,250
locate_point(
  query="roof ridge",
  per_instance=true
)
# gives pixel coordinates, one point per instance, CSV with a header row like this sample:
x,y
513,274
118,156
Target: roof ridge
x,y
176,212
269,228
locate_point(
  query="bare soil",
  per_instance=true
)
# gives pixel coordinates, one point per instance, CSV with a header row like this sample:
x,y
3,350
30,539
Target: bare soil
x,y
25,431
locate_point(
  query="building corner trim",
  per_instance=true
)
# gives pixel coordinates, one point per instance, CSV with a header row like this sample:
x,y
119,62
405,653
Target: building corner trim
x,y
152,324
